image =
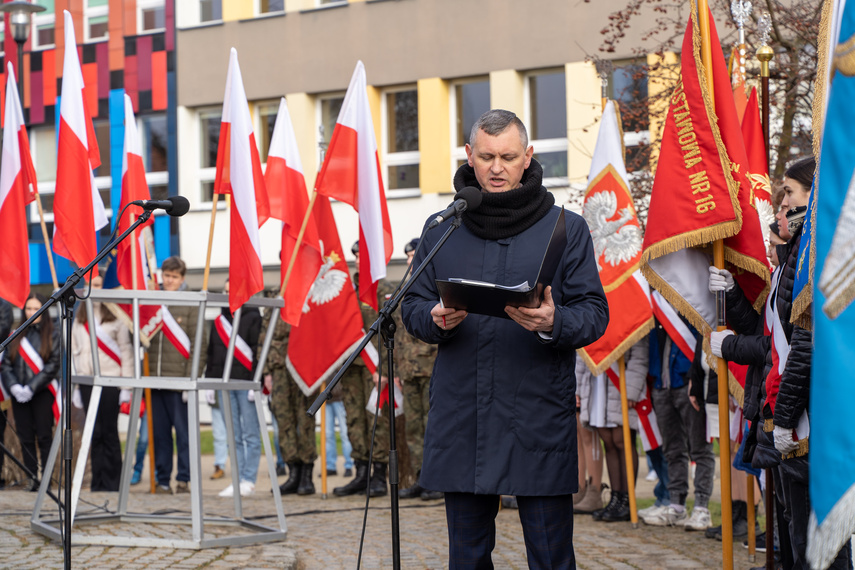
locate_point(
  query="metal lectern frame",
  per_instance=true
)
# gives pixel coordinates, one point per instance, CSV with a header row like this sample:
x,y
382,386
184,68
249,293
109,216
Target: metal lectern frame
x,y
259,533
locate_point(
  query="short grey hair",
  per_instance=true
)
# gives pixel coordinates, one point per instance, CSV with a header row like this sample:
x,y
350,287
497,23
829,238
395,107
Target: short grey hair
x,y
496,121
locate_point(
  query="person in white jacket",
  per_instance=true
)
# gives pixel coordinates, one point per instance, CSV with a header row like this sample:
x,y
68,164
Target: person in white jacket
x,y
115,356
601,410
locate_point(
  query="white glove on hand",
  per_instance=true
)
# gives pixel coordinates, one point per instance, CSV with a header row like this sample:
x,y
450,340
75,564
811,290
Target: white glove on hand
x,y
720,280
184,396
211,397
784,441
77,399
250,395
125,396
16,390
716,339
26,394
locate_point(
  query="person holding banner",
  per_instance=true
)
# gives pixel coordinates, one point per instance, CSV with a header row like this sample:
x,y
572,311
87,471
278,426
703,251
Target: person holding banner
x,y
115,358
29,369
171,354
244,413
503,403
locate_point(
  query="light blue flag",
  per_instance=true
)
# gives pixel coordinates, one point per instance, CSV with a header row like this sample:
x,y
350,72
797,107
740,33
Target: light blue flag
x,y
803,286
832,394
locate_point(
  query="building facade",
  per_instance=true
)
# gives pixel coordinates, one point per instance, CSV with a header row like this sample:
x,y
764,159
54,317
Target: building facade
x,y
433,66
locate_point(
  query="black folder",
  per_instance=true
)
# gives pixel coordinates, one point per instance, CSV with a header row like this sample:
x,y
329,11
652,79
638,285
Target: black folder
x,y
483,298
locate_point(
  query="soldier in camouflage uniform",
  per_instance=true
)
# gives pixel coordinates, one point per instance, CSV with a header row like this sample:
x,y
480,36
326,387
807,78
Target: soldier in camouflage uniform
x,y
415,365
356,389
289,404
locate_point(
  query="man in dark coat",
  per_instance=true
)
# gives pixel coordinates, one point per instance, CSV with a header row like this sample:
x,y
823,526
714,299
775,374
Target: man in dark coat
x,y
502,399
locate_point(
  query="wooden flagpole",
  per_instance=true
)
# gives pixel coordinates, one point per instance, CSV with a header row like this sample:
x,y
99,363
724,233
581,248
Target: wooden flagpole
x,y
47,242
300,235
210,243
627,445
723,396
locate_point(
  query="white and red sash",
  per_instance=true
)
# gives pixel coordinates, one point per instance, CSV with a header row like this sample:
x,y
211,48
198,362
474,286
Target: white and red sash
x,y
106,343
384,399
780,353
370,357
651,438
677,330
243,352
34,360
176,335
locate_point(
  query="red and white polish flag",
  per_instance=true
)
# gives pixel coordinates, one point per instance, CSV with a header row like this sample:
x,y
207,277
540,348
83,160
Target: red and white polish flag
x,y
286,188
17,189
351,174
239,174
134,187
78,209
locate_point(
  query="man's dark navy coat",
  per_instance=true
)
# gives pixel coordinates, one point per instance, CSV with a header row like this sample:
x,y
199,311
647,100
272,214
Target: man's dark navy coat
x,y
502,399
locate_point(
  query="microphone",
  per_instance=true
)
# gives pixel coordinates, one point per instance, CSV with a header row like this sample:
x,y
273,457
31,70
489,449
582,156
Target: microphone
x,y
175,206
467,199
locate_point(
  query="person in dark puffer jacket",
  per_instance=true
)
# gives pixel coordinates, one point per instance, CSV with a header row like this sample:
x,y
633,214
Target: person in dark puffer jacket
x,y
787,398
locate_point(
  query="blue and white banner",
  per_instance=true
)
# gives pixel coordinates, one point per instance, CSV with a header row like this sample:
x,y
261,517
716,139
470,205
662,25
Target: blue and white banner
x,y
832,461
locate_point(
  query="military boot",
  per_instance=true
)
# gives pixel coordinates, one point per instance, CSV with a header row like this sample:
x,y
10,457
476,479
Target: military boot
x,y
358,484
306,486
289,487
378,481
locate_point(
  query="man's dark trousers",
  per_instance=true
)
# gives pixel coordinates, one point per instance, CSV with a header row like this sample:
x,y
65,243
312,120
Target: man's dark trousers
x,y
547,528
169,410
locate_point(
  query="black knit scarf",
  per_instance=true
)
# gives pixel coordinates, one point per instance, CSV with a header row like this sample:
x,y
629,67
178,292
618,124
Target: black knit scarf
x,y
505,214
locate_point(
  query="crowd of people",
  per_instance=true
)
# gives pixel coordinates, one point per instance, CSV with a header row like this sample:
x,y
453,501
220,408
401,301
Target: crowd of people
x,y
494,389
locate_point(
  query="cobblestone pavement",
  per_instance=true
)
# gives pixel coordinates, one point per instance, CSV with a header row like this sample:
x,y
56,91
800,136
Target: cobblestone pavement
x,y
324,533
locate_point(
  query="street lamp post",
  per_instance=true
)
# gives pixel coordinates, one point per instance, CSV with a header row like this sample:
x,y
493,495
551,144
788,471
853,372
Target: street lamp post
x,y
20,14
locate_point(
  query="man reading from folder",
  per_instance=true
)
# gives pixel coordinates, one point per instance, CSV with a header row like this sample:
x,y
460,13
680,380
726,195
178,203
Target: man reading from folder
x,y
503,400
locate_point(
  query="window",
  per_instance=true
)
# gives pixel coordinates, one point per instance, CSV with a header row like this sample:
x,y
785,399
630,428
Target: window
x,y
154,142
210,10
270,6
469,100
209,137
43,25
329,2
628,85
102,135
95,16
400,139
264,133
328,107
151,16
43,147
546,119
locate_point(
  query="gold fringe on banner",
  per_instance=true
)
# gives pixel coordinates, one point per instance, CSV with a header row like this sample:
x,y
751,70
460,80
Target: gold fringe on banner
x,y
620,350
755,267
677,301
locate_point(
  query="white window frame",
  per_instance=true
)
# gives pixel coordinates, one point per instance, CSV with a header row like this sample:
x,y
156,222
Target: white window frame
x,y
41,19
545,145
319,122
260,13
153,178
94,12
407,158
199,14
322,3
458,153
147,5
208,173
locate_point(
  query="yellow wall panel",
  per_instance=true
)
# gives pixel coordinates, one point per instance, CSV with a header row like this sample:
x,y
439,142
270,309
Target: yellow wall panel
x,y
656,84
584,108
238,10
301,106
506,91
434,136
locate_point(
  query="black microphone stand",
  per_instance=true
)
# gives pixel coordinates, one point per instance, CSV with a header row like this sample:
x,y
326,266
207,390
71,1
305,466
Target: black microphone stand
x,y
66,297
386,326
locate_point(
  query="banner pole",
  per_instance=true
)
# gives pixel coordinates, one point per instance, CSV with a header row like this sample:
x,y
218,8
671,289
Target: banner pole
x,y
293,259
47,242
210,243
627,445
721,324
323,458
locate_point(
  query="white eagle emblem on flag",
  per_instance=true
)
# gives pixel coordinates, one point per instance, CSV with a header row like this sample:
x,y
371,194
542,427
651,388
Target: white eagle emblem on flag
x,y
620,240
328,284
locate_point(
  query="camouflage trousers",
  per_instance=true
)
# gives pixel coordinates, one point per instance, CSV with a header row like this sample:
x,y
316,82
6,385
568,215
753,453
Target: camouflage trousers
x,y
296,429
416,405
356,388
